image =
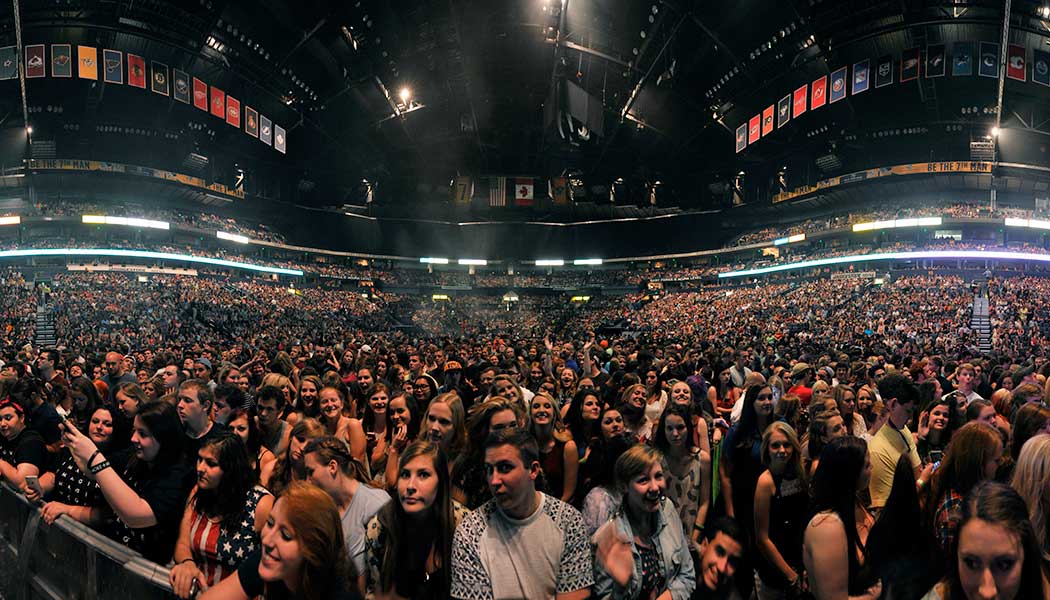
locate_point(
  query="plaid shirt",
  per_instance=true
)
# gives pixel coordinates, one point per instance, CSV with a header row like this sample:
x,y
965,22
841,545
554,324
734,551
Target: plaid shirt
x,y
946,519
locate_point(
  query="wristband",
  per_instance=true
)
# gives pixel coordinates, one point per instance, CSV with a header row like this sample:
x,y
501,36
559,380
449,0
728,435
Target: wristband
x,y
920,481
92,459
185,560
102,466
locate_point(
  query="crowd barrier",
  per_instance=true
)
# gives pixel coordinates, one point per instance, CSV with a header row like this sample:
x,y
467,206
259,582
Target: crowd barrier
x,y
68,560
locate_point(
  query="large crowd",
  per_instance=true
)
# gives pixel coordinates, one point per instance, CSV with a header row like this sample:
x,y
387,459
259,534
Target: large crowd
x,y
820,439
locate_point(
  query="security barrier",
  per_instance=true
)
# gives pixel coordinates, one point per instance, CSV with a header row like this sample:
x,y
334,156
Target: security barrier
x,y
68,560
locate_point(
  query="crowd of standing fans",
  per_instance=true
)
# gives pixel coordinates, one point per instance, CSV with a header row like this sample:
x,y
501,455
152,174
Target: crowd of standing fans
x,y
818,440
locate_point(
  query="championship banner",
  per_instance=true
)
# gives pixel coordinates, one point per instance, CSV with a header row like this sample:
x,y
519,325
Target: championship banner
x,y
523,192
1015,63
113,66
741,138
280,139
867,174
8,62
989,60
136,71
861,71
233,111
818,93
909,64
962,59
87,62
1041,67
884,72
754,129
798,102
838,85
560,185
61,60
200,94
783,111
767,121
218,102
181,89
934,61
251,121
35,61
265,130
159,81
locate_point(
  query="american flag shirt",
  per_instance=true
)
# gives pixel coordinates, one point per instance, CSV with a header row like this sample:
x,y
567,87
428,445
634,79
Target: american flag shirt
x,y
218,550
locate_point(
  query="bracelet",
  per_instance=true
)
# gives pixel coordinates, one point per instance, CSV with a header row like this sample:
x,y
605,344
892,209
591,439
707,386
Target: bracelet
x,y
699,528
92,459
102,466
185,560
920,481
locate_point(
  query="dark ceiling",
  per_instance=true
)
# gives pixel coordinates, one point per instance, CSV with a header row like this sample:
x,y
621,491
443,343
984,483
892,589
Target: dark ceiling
x,y
664,84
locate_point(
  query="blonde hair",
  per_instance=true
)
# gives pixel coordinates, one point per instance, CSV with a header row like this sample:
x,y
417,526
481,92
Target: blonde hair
x,y
635,461
1029,479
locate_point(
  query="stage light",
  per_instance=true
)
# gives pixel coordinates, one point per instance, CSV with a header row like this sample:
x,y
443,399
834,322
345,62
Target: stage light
x,y
550,262
428,260
405,94
476,262
587,261
995,132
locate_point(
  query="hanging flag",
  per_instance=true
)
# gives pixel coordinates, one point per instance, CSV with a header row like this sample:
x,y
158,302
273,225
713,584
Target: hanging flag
x,y
87,62
783,111
818,95
200,94
280,139
754,129
909,64
1015,63
861,81
962,59
136,71
251,121
523,187
884,72
233,111
265,130
218,102
798,104
35,61
838,85
560,186
159,82
497,191
113,66
462,190
61,60
8,62
988,65
934,61
767,121
1041,67
741,138
181,88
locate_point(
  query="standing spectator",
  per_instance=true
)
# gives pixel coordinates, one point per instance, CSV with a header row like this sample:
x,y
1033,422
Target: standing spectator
x,y
781,506
894,438
115,374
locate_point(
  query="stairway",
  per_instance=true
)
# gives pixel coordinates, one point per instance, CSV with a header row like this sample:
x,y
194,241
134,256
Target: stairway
x,y
979,320
45,336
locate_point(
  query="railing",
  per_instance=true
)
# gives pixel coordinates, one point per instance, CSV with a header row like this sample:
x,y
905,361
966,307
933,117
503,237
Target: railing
x,y
68,560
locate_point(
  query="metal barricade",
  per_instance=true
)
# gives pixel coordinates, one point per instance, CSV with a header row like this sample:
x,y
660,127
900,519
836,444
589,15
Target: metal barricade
x,y
68,560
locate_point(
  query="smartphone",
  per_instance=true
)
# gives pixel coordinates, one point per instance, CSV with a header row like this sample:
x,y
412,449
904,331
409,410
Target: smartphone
x,y
34,482
936,455
935,466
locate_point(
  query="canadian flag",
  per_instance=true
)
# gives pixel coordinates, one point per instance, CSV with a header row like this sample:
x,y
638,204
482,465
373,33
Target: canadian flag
x,y
523,191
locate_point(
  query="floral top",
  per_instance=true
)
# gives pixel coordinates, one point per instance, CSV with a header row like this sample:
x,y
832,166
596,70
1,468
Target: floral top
x,y
684,491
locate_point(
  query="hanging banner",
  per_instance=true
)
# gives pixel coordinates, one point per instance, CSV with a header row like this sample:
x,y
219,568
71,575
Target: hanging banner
x,y
160,78
136,71
884,72
113,66
61,60
181,88
767,121
8,62
754,129
1041,67
87,62
818,93
989,61
251,121
741,138
35,61
783,111
861,71
233,111
798,101
1015,63
265,131
280,141
909,64
838,85
218,102
200,94
934,61
962,59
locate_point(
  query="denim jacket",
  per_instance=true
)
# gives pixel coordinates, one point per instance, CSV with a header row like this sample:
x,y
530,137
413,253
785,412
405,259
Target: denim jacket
x,y
671,545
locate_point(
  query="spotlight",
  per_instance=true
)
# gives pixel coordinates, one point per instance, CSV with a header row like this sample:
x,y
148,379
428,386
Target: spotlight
x,y
29,129
405,94
995,132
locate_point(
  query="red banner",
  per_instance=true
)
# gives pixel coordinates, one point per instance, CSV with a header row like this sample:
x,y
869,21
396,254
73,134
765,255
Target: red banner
x,y
200,94
818,93
799,102
1016,68
35,61
754,129
218,102
233,111
767,121
136,71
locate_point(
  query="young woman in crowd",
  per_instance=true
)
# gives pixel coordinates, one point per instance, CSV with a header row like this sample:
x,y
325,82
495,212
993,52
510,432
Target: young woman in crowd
x,y
129,397
567,382
302,554
682,395
1030,477
581,419
632,407
146,490
723,394
824,426
937,420
643,552
687,469
469,480
260,459
604,497
424,514
308,405
781,508
558,455
336,423
997,555
866,405
444,423
846,401
972,456
377,402
655,395
1029,420
289,466
22,450
223,518
402,423
834,540
424,389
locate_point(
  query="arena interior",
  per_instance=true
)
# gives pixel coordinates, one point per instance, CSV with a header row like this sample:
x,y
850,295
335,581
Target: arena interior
x,y
490,299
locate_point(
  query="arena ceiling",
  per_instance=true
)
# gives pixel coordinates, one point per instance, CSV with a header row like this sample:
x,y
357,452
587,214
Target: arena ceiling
x,y
655,88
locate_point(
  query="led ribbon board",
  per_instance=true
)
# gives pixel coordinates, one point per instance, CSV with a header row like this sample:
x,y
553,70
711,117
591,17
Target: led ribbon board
x,y
218,262
845,260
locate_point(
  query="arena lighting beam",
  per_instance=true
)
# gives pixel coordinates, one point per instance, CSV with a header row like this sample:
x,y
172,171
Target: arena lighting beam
x,y
218,262
844,260
550,262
